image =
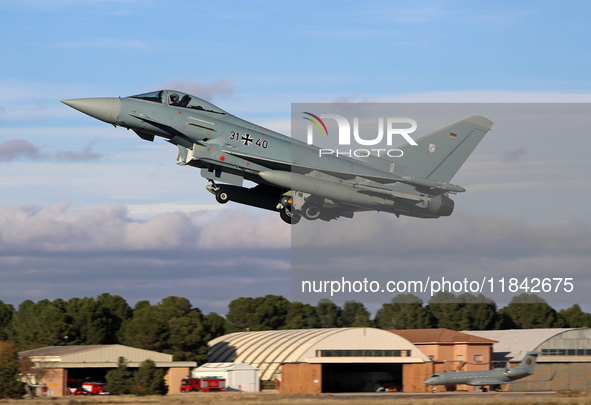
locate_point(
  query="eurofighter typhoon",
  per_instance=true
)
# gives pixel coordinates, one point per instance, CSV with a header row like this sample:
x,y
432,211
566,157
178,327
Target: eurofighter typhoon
x,y
229,150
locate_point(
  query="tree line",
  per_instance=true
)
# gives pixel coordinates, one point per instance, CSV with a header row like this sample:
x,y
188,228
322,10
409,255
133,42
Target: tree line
x,y
175,327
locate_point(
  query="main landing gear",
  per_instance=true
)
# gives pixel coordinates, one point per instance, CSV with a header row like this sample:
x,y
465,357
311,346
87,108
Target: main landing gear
x,y
311,211
292,211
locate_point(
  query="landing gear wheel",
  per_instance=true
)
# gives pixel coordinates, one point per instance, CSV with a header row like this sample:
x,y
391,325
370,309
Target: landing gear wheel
x,y
288,217
311,211
222,196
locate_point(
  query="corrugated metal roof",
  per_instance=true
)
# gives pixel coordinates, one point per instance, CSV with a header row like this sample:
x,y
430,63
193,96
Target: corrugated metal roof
x,y
514,343
267,350
94,354
225,366
439,335
60,350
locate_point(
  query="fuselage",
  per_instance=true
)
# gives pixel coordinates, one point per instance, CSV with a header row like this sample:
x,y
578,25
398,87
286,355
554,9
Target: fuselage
x,y
218,129
211,136
484,377
229,150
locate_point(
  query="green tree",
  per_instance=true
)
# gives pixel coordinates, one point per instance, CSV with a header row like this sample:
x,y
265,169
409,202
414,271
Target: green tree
x,y
146,330
6,314
356,315
240,316
479,312
11,385
448,311
45,323
261,313
575,317
405,311
187,338
271,310
149,380
329,314
141,305
119,380
171,326
527,311
119,311
91,322
216,325
301,316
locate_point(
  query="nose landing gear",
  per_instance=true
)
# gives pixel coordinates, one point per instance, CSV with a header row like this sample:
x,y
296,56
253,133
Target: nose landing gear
x,y
222,196
287,212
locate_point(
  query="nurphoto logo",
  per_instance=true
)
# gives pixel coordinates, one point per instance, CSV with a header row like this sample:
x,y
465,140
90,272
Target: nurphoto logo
x,y
390,126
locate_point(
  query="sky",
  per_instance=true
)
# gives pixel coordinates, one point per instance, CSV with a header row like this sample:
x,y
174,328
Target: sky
x,y
86,208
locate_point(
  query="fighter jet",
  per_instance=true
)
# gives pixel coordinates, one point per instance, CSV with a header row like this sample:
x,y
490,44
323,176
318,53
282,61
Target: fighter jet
x,y
229,150
493,378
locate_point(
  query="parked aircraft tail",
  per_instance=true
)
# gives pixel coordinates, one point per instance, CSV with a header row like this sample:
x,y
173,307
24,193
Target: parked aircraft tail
x,y
440,155
529,362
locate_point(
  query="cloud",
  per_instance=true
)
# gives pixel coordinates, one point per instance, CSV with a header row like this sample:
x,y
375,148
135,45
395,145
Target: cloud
x,y
84,155
106,228
268,233
16,149
221,87
513,155
109,228
61,252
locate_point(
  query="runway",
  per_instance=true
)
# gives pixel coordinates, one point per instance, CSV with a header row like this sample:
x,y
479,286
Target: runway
x,y
473,395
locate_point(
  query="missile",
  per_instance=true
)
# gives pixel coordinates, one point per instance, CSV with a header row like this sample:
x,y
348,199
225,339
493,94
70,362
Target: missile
x,y
417,181
357,193
337,191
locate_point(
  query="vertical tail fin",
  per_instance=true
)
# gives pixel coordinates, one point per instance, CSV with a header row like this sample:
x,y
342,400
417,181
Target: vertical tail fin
x,y
529,362
440,154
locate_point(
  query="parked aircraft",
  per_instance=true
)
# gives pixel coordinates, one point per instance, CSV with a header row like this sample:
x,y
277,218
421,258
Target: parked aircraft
x,y
493,378
292,177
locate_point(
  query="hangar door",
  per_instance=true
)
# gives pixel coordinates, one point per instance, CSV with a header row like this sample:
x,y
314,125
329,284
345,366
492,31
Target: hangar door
x,y
360,377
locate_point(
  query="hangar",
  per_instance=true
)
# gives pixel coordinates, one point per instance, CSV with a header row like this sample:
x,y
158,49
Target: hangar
x,y
323,360
53,366
566,351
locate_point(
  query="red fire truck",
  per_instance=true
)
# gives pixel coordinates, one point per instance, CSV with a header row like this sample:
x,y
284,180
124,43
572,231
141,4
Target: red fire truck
x,y
204,384
83,387
94,388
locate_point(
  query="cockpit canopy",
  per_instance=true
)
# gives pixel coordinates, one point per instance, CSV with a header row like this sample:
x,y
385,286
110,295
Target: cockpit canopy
x,y
179,99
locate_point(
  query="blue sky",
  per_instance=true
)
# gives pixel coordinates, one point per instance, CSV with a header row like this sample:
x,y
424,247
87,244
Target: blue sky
x,y
87,208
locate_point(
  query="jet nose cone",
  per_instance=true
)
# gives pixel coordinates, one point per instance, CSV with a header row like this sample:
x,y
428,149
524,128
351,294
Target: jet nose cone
x,y
106,109
429,381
